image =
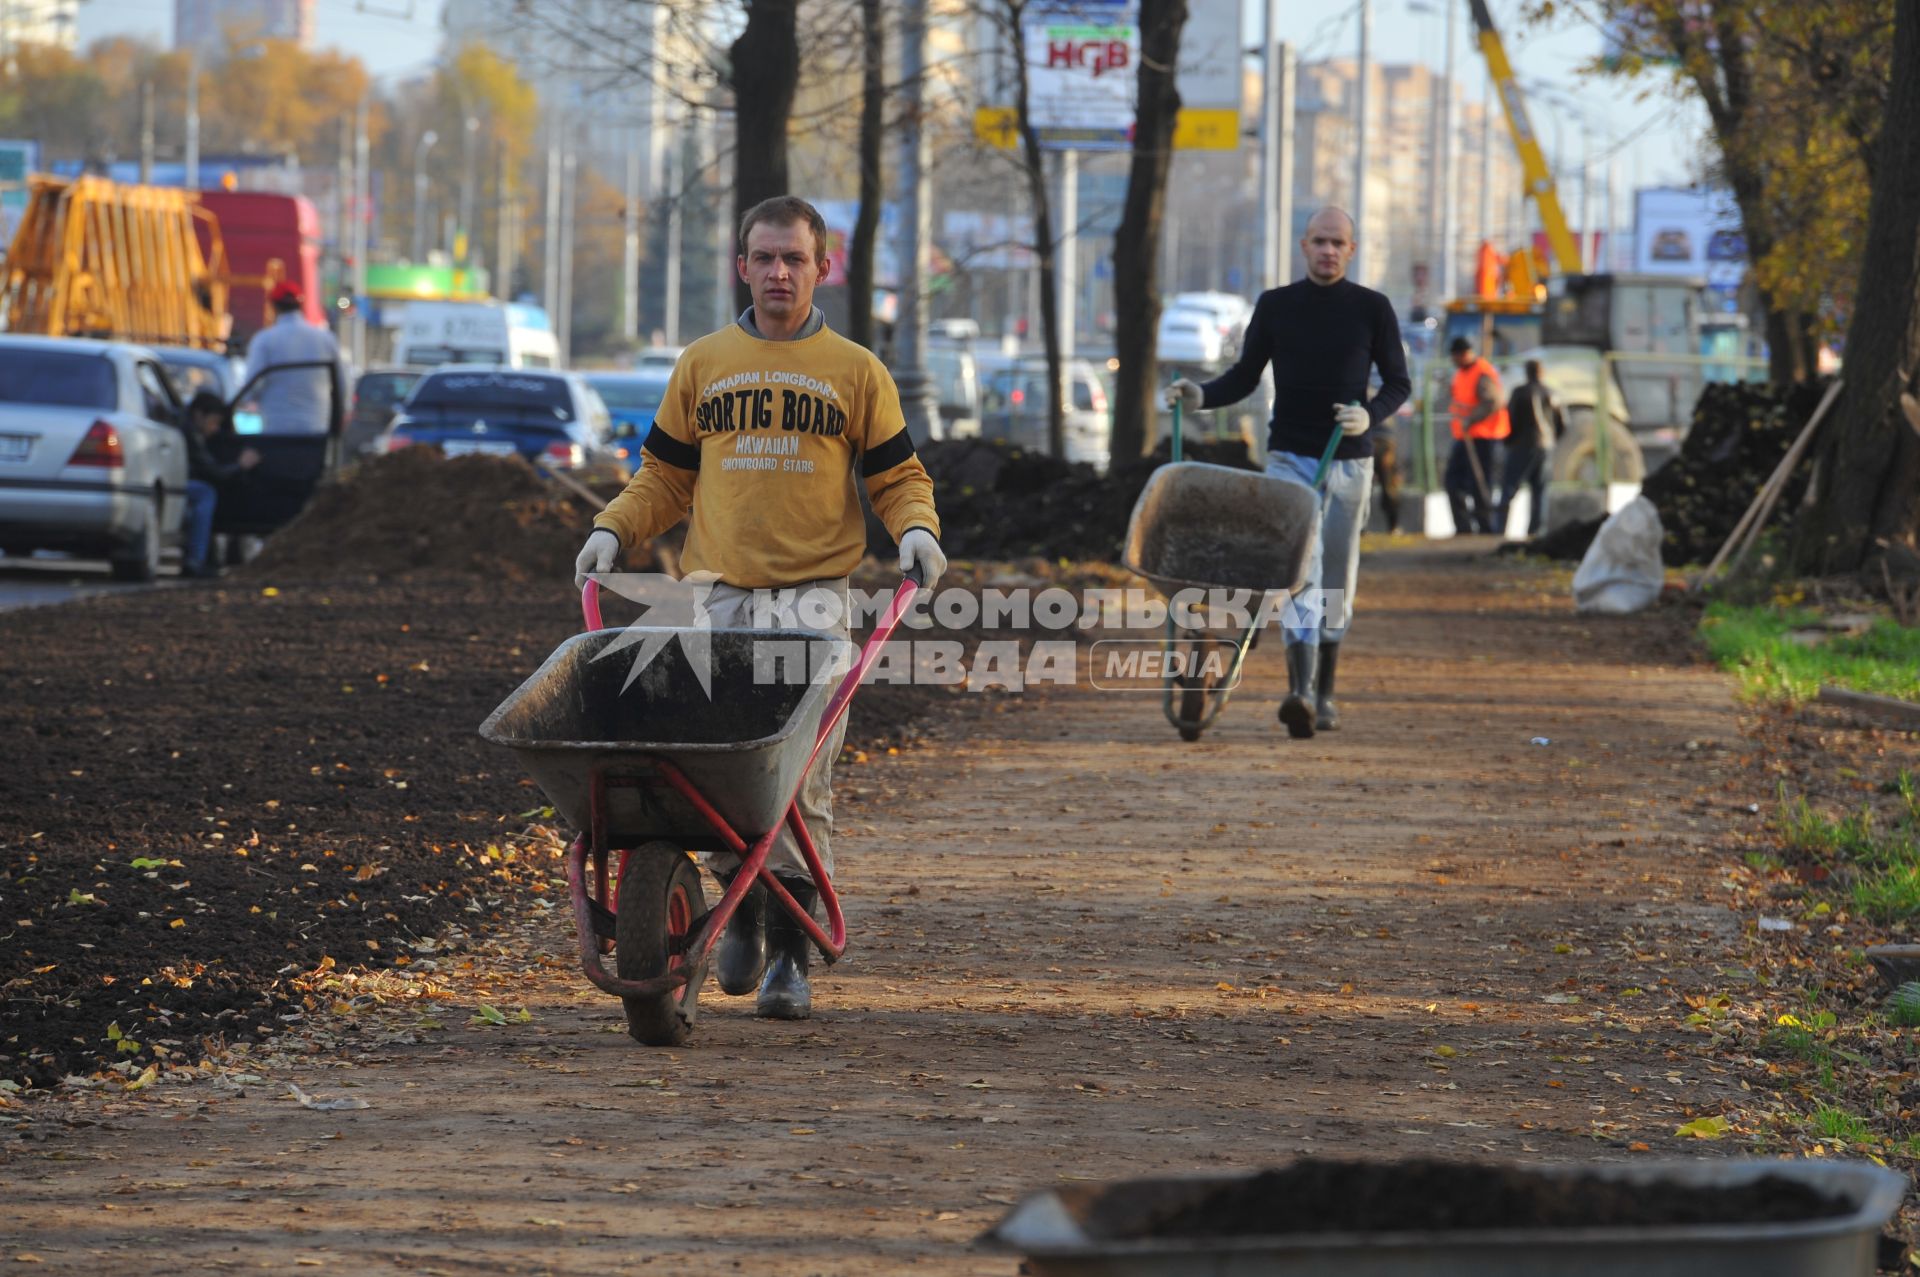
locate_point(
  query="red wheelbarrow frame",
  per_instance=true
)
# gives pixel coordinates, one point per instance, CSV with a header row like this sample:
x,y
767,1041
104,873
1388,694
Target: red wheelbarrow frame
x,y
697,946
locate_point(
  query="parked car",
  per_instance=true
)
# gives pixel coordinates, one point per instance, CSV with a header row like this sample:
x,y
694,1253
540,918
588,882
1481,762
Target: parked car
x,y
1190,336
1230,315
377,395
91,455
658,357
632,399
553,419
192,371
1014,407
956,387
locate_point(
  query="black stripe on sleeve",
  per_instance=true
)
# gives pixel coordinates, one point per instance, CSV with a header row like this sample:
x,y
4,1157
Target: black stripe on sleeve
x,y
887,455
683,456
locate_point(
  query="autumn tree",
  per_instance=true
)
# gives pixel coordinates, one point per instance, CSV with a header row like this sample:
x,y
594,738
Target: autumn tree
x,y
1867,481
1794,95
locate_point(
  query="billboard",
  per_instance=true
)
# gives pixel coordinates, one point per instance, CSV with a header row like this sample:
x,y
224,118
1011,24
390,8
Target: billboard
x,y
18,160
1083,67
1691,231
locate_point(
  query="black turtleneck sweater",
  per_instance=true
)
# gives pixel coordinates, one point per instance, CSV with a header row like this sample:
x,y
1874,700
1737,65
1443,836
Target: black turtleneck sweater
x,y
1322,340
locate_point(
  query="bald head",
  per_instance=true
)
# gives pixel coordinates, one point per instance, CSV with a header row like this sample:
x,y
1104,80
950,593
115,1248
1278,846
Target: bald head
x,y
1328,245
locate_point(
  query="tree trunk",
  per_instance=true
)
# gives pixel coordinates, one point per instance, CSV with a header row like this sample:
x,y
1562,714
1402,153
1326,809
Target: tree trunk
x,y
872,128
764,71
1043,237
1868,477
1136,243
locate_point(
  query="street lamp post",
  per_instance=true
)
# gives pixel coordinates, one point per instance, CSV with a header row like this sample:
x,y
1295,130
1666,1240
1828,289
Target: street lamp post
x,y
469,183
420,150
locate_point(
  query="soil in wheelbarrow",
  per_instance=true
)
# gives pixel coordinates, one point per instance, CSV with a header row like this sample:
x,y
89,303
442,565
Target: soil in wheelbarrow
x,y
1317,1196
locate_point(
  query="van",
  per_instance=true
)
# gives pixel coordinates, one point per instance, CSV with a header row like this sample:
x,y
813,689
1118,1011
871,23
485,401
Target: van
x,y
500,334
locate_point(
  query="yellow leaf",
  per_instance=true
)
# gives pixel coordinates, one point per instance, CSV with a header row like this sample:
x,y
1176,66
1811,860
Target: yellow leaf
x,y
177,923
1705,1128
801,1130
1445,1052
270,592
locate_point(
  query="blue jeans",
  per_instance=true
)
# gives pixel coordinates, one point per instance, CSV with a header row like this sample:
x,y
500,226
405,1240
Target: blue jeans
x,y
201,499
1324,611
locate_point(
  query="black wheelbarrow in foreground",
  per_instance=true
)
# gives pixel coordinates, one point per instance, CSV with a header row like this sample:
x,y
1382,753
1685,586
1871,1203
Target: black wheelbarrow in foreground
x,y
1707,1218
654,770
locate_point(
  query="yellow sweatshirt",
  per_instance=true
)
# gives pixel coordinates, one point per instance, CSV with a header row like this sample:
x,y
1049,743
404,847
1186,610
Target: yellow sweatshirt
x,y
761,440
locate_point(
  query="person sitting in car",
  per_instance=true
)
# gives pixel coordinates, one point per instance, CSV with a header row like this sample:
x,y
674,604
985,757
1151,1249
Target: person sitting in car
x,y
207,419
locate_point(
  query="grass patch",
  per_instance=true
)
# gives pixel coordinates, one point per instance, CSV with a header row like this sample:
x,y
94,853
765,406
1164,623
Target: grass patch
x,y
1838,1124
1884,859
1752,643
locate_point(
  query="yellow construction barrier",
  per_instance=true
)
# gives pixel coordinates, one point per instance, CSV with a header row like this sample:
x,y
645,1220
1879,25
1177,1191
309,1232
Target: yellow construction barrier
x,y
94,258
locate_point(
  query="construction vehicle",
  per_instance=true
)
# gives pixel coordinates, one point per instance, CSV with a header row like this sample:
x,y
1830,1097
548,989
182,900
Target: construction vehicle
x,y
94,258
1546,306
148,265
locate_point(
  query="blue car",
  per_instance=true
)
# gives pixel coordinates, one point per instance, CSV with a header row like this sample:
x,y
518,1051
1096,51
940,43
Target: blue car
x,y
553,419
632,399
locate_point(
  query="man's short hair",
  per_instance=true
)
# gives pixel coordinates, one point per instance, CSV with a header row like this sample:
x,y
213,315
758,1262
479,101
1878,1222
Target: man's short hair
x,y
1460,346
1533,370
786,210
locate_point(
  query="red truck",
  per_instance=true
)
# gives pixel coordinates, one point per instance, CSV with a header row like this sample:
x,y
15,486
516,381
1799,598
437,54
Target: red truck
x,y
261,228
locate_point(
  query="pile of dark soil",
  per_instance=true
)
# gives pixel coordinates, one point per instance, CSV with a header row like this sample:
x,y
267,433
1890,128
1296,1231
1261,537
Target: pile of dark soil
x,y
998,501
1375,1197
1738,435
416,513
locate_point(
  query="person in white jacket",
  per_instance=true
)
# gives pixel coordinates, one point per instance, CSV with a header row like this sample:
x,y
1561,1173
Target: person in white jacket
x,y
295,402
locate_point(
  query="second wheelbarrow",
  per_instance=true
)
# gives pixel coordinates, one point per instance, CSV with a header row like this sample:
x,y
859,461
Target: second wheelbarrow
x,y
654,764
1201,527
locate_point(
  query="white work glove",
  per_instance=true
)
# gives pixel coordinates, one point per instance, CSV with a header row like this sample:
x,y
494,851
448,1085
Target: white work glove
x,y
1352,418
1186,394
918,548
597,555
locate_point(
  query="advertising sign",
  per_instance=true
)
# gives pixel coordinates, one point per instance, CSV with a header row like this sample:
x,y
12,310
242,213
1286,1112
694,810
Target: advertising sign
x,y
1083,68
18,160
1691,231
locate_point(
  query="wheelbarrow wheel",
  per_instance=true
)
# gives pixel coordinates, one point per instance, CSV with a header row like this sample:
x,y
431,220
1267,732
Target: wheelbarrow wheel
x,y
1193,708
1193,695
660,896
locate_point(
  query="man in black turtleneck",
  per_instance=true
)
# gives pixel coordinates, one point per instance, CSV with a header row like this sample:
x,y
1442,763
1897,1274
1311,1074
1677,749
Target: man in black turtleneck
x,y
1323,335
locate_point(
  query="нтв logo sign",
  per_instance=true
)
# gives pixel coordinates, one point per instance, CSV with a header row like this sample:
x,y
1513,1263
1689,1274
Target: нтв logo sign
x,y
1098,55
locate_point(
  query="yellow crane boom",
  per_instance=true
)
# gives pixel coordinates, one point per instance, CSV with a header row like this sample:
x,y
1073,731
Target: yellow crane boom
x,y
1533,161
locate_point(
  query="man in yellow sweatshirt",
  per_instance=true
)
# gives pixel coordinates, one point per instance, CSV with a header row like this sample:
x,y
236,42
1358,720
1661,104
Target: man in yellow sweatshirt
x,y
764,427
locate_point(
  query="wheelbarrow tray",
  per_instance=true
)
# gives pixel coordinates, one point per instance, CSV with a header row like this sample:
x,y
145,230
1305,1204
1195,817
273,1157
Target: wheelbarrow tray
x,y
1204,526
743,744
1083,1231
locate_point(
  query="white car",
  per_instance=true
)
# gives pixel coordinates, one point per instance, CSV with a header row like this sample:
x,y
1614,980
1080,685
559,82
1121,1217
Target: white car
x,y
1230,315
1190,336
91,458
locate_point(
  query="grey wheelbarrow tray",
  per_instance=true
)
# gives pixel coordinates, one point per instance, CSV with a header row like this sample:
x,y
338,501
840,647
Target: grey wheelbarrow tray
x,y
1204,527
743,743
1069,1233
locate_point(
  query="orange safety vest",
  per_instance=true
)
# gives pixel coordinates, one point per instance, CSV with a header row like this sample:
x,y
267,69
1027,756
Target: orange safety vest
x,y
1466,383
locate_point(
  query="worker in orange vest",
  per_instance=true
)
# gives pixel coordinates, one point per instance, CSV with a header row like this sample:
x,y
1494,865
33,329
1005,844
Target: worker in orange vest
x,y
1478,413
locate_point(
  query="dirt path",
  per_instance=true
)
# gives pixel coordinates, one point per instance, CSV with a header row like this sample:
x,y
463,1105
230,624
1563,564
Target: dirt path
x,y
1082,950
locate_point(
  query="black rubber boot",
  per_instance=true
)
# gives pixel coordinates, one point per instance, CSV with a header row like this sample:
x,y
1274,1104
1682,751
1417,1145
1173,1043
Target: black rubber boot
x,y
1297,710
1326,713
740,959
784,994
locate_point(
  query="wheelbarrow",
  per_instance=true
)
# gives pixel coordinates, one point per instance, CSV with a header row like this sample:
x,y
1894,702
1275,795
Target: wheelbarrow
x,y
1201,527
657,767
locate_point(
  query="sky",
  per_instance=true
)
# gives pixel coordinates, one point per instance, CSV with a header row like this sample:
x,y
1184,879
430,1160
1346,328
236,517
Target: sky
x,y
1660,142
